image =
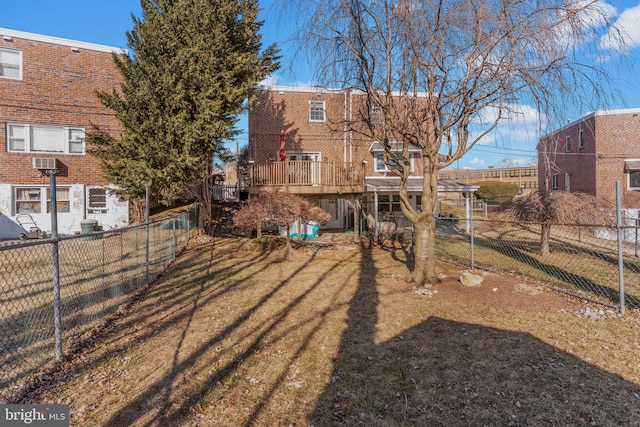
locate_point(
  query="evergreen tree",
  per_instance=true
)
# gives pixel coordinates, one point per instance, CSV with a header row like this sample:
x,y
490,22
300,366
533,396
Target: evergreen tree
x,y
192,69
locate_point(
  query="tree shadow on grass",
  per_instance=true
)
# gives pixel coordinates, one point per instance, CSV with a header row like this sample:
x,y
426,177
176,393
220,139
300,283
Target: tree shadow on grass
x,y
158,397
444,372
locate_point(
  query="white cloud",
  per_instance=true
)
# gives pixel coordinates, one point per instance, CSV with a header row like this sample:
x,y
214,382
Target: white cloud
x,y
476,162
586,17
520,126
625,32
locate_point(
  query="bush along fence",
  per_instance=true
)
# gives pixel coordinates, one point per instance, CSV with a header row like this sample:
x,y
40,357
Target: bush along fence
x,y
55,291
595,262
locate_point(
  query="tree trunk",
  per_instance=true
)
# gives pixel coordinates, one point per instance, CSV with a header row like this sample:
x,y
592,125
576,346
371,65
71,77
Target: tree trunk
x,y
204,197
287,248
424,224
545,236
424,271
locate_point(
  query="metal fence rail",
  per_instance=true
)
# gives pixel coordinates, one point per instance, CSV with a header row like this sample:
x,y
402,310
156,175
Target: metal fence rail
x,y
98,273
582,259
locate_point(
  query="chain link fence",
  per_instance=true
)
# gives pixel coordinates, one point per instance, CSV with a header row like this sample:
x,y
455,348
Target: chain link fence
x,y
582,260
98,273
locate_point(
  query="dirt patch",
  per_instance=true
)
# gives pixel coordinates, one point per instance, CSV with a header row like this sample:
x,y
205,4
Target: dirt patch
x,y
497,290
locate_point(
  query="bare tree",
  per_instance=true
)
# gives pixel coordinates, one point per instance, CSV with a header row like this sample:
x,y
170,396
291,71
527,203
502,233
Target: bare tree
x,y
442,74
253,215
558,207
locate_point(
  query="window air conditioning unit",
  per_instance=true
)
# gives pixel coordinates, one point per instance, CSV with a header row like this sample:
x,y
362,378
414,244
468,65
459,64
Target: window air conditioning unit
x,y
44,163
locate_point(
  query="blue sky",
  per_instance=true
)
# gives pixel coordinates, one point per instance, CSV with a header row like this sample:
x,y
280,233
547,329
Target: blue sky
x,y
106,22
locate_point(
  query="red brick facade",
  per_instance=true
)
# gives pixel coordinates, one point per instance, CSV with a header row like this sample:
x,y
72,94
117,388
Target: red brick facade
x,y
47,102
608,139
58,85
287,109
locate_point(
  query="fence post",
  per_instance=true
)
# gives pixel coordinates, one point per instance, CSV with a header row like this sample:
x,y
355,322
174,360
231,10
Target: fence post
x,y
620,253
473,261
175,238
57,316
146,222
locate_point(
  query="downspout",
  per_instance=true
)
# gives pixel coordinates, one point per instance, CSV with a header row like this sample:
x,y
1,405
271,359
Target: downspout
x,y
344,137
350,130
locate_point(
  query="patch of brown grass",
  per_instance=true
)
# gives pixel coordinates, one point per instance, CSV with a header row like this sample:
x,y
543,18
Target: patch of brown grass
x,y
232,336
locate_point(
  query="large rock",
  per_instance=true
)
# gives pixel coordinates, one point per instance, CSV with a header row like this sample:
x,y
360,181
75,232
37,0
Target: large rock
x,y
470,279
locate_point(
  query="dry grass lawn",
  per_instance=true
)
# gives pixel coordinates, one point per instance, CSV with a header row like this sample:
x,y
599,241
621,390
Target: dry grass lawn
x,y
234,336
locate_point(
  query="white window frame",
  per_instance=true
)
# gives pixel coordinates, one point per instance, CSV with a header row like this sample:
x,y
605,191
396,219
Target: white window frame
x,y
34,198
40,197
554,181
632,171
380,166
10,64
317,109
72,138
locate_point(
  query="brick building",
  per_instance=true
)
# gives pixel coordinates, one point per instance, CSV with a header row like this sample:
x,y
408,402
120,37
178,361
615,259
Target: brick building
x,y
47,102
327,157
592,154
524,177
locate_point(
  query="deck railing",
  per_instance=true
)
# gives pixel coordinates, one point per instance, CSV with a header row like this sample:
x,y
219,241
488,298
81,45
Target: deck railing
x,y
306,173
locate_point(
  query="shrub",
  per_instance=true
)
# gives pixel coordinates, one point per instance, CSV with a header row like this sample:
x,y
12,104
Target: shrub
x,y
496,191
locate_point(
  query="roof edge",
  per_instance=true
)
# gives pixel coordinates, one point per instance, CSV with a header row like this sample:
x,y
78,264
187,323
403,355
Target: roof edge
x,y
60,41
597,113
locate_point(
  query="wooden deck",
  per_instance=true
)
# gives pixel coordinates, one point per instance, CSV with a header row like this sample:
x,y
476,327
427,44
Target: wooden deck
x,y
307,177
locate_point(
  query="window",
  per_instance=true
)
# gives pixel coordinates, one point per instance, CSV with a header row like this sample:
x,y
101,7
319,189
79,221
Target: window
x,y
62,200
554,181
28,200
17,137
567,144
375,114
380,165
581,139
634,180
388,203
632,169
45,139
10,64
316,111
97,200
419,203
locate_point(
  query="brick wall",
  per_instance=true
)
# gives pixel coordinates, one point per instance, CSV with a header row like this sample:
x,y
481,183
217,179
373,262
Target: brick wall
x,y
288,110
609,139
618,137
57,88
